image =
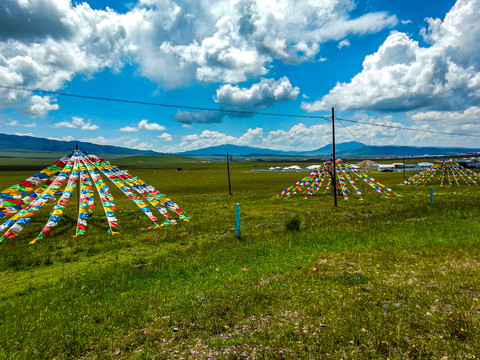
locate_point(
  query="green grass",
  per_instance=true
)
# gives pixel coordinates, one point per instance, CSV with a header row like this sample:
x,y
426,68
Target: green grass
x,y
380,278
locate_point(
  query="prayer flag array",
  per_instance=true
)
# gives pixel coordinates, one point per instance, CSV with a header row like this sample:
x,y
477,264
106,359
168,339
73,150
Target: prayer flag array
x,y
21,201
447,172
346,177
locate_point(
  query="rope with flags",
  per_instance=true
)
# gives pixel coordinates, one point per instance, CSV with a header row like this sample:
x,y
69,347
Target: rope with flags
x,y
449,172
346,176
21,201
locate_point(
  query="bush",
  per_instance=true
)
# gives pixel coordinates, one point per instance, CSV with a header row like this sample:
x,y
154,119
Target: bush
x,y
293,224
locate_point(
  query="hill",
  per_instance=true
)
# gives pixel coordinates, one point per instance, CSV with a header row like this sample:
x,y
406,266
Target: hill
x,y
30,144
406,150
352,148
234,150
34,144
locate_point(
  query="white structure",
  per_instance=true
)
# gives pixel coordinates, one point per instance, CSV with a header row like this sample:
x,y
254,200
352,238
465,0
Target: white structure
x,y
425,165
385,167
313,167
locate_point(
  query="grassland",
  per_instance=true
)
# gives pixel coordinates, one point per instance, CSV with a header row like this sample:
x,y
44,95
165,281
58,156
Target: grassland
x,y
374,279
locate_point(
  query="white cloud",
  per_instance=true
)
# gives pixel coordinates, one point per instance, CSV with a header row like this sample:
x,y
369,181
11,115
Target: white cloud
x,y
24,134
123,141
76,123
64,138
472,114
46,43
242,37
260,95
64,124
298,137
459,122
343,43
165,137
301,137
18,123
205,139
143,125
36,106
144,146
129,129
402,75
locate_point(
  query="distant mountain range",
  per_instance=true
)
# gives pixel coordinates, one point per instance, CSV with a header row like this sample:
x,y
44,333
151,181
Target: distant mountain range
x,y
30,143
254,151
350,149
346,149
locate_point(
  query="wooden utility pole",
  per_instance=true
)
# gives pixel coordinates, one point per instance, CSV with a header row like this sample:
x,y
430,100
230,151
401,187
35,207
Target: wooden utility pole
x,y
334,180
228,172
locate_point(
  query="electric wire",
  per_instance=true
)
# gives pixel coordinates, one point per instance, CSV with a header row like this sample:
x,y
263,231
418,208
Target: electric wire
x,y
354,137
406,128
48,92
242,112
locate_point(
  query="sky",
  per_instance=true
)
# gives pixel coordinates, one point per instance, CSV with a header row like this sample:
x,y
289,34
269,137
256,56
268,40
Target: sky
x,y
410,63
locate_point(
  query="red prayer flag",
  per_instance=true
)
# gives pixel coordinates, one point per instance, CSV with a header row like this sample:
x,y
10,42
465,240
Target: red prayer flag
x,y
10,234
46,231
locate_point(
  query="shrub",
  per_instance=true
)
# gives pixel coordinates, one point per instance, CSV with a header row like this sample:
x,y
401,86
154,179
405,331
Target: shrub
x,y
293,224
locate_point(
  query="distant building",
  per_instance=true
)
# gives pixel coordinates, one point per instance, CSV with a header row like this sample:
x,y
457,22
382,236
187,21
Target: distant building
x,y
424,165
385,167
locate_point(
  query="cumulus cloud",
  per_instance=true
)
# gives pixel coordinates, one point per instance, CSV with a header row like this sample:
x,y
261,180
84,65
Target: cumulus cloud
x,y
123,141
472,114
242,37
165,137
143,125
260,95
33,20
205,139
34,106
46,43
301,137
129,129
76,123
343,43
63,138
402,75
463,122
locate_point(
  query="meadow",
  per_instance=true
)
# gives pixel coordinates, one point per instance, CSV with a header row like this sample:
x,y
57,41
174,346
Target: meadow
x,y
380,278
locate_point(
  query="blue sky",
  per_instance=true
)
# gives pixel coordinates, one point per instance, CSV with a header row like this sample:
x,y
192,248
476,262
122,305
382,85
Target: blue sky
x,y
400,63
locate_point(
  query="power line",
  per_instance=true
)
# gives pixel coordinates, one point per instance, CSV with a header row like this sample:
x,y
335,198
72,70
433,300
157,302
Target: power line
x,y
185,107
354,137
406,128
47,92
